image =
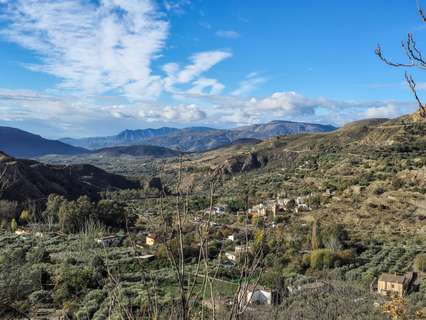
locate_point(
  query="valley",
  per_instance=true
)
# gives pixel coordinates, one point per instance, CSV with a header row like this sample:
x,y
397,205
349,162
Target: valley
x,y
361,188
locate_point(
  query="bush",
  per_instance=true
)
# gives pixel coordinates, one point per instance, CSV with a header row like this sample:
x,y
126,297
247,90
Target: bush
x,y
13,225
40,297
326,258
8,211
71,281
24,217
420,263
322,259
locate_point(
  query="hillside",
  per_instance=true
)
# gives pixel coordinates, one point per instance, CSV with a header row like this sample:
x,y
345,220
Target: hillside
x,y
279,128
369,174
362,186
22,144
30,180
198,139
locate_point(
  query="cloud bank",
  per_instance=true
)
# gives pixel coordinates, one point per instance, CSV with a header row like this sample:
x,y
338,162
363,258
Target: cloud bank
x,y
62,115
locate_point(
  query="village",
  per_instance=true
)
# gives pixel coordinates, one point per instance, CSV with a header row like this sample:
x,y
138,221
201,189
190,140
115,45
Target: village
x,y
238,244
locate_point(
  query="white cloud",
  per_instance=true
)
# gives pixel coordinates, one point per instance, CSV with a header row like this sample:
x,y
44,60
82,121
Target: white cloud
x,y
249,84
192,73
92,48
199,87
176,6
228,34
179,113
386,111
296,107
284,103
76,116
200,63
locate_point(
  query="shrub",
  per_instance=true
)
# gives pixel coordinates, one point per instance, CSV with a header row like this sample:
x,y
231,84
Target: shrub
x,y
420,263
71,281
24,217
13,225
306,261
322,259
40,297
345,257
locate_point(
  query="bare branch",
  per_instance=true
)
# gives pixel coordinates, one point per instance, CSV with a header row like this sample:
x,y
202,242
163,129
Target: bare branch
x,y
421,12
379,53
412,85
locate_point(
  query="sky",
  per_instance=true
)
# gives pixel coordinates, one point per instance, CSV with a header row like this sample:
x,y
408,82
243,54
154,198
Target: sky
x,y
76,68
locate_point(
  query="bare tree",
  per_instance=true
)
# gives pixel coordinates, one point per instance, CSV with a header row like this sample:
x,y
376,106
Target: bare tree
x,y
415,60
4,181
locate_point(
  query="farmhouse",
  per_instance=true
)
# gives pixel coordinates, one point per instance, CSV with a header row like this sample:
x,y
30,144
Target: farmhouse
x,y
257,294
231,256
239,251
394,285
259,210
151,239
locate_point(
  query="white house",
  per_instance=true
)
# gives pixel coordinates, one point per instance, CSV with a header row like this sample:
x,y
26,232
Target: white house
x,y
256,294
232,237
238,252
231,256
258,210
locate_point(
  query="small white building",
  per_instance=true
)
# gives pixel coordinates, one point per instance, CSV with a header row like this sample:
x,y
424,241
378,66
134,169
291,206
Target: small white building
x,y
242,249
232,237
259,210
256,294
231,256
238,252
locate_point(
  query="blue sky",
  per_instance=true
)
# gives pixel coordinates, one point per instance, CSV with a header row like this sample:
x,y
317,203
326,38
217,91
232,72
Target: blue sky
x,y
82,68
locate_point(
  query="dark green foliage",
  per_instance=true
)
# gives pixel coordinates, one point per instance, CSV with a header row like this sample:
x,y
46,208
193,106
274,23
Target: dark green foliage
x,y
113,214
200,203
72,281
8,211
237,204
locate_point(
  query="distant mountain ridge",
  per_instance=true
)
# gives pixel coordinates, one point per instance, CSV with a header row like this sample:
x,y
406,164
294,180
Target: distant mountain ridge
x,y
137,151
197,139
22,144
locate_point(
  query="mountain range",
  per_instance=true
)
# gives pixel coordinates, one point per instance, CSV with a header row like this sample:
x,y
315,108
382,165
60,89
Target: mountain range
x,y
197,139
151,142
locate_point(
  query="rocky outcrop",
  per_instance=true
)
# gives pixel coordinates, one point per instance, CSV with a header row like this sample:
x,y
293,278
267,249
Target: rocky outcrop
x,y
243,163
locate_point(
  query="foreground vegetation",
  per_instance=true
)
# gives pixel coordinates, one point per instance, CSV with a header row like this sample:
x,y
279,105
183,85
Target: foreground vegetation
x,y
364,186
